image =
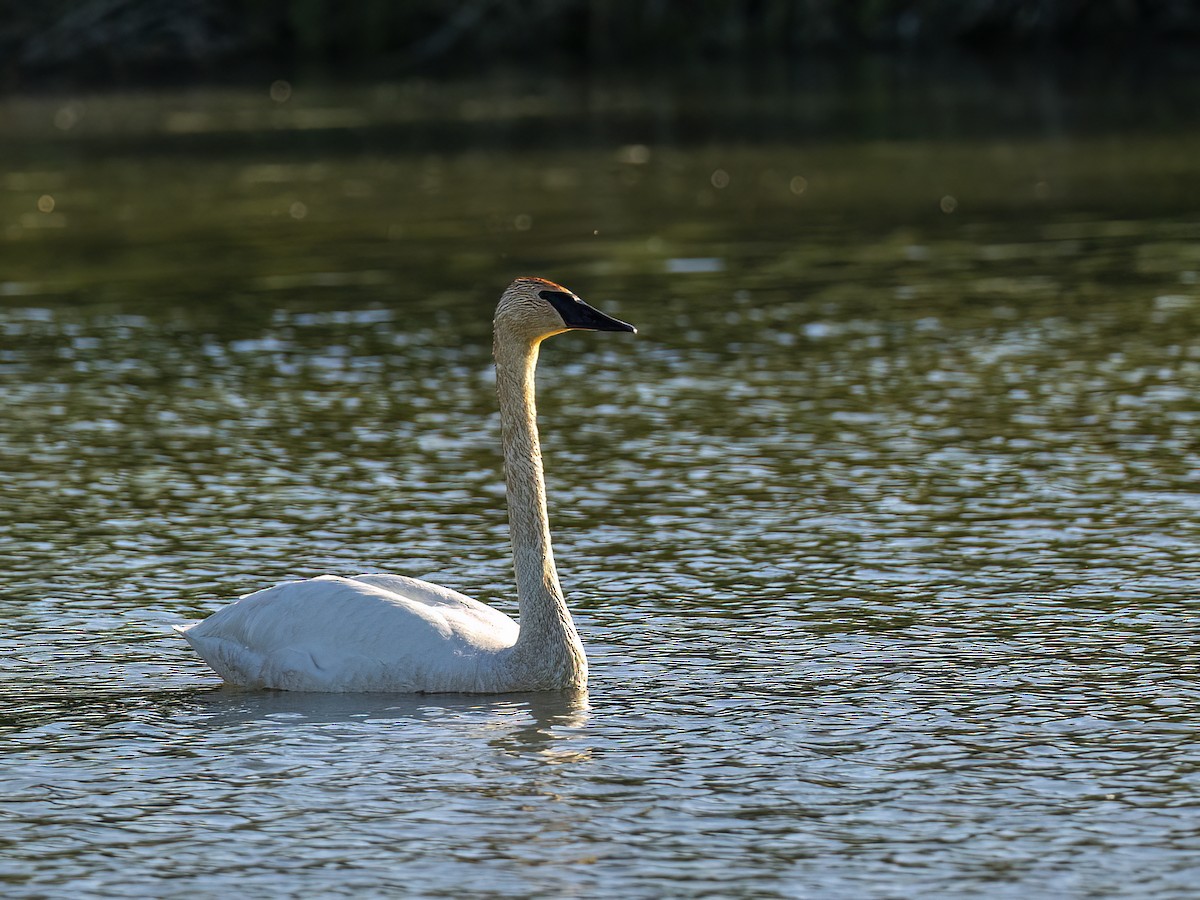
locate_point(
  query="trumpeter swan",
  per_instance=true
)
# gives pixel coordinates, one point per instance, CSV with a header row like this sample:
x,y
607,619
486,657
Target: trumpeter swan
x,y
392,633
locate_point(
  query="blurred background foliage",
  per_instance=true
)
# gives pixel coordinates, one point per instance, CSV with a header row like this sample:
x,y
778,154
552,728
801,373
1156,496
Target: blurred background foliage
x,y
74,41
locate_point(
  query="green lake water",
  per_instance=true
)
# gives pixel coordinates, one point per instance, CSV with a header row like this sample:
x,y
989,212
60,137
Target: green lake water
x,y
883,535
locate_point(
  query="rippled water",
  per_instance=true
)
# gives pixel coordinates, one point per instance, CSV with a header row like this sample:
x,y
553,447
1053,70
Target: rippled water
x,y
883,535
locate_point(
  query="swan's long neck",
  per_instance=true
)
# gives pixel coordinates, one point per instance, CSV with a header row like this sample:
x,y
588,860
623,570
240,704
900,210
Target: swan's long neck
x,y
548,640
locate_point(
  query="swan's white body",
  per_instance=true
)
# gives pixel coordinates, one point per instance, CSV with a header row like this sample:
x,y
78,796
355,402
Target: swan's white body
x,y
368,633
392,633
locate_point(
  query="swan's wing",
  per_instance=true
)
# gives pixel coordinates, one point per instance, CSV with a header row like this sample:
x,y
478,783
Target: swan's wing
x,y
437,596
350,634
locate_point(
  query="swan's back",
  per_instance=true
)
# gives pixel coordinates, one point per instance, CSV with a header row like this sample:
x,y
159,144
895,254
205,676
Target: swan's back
x,y
370,632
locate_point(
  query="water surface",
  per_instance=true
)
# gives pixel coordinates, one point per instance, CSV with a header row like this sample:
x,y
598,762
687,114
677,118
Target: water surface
x,y
882,534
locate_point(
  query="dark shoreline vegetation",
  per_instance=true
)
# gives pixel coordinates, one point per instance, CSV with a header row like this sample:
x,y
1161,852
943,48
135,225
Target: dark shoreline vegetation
x,y
94,43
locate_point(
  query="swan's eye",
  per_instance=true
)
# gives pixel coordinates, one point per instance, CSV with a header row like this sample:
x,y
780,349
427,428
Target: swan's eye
x,y
556,297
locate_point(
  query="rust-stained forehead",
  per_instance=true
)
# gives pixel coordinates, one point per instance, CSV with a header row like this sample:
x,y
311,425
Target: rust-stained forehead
x,y
543,283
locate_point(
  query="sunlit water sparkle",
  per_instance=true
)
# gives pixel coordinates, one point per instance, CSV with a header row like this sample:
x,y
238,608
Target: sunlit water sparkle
x,y
883,540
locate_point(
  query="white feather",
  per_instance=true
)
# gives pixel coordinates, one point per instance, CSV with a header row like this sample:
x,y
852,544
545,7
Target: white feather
x,y
369,633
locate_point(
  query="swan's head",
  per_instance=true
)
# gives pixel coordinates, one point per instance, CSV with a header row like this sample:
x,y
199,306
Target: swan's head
x,y
534,308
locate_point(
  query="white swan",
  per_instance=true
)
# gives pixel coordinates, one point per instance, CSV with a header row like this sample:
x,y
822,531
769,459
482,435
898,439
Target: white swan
x,y
391,633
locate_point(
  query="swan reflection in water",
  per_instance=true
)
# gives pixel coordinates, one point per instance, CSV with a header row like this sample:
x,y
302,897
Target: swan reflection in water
x,y
520,724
